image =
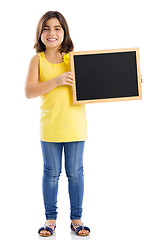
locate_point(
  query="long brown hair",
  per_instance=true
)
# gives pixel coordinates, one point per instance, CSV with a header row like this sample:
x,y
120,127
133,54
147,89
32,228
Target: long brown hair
x,y
67,44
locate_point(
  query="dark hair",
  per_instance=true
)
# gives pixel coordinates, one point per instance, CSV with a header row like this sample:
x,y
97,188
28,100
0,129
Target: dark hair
x,y
67,44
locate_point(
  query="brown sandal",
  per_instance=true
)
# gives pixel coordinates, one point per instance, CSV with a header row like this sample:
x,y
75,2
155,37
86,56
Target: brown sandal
x,y
48,228
80,227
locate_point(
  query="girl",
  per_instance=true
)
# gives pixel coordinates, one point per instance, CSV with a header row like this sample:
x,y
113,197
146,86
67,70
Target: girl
x,y
62,125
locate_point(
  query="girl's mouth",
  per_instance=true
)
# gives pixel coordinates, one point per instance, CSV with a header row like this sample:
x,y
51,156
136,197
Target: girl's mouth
x,y
51,39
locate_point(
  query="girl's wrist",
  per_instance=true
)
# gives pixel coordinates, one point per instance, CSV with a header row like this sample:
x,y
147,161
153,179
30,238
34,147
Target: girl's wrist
x,y
56,81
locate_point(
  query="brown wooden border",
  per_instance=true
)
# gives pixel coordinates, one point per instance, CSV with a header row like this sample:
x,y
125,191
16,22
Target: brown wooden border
x,y
77,102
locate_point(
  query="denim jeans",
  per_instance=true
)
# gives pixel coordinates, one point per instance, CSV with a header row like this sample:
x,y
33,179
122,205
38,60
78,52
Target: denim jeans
x,y
52,157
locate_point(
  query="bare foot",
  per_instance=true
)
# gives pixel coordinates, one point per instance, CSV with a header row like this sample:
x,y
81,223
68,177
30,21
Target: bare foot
x,y
79,223
47,223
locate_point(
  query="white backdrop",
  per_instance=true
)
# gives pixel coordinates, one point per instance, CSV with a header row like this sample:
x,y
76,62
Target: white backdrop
x,y
121,156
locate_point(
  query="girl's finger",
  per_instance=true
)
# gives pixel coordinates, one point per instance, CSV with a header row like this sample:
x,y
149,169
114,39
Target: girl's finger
x,y
70,84
70,74
70,79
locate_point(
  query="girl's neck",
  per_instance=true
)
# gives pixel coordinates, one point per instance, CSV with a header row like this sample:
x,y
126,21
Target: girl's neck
x,y
52,53
53,56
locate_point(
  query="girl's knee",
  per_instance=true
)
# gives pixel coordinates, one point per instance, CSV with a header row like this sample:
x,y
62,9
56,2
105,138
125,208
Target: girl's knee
x,y
74,174
51,174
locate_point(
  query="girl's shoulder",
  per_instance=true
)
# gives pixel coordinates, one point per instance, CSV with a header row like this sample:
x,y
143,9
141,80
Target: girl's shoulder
x,y
65,57
35,58
34,62
63,54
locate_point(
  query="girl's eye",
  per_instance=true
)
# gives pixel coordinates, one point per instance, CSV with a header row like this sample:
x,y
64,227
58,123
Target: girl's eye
x,y
47,29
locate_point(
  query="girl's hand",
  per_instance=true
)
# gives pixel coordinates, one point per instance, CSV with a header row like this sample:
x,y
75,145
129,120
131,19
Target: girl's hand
x,y
65,79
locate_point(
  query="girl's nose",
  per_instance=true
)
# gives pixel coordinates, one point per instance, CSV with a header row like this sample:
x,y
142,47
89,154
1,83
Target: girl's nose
x,y
52,32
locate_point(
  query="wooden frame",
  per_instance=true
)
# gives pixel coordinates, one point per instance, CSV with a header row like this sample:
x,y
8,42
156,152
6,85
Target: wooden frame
x,y
72,64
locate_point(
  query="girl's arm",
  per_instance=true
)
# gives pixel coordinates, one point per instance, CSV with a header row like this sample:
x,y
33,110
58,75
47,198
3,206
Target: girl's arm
x,y
35,89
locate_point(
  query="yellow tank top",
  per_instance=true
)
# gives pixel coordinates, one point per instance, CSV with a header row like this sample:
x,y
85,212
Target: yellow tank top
x,y
60,121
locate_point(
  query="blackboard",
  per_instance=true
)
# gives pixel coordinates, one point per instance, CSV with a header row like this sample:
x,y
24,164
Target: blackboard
x,y
106,75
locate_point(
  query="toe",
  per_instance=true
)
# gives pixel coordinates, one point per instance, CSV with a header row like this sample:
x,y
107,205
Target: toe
x,y
85,232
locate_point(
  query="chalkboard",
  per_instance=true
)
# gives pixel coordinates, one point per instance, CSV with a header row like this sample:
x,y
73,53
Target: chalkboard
x,y
106,75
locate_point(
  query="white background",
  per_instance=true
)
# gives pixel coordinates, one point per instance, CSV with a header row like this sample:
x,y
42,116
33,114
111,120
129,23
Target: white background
x,y
121,156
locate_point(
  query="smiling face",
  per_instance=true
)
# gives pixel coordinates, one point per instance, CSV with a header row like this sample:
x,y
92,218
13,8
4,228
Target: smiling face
x,y
53,34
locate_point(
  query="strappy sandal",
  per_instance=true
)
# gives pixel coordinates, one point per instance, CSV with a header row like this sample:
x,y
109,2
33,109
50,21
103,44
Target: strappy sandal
x,y
48,228
80,227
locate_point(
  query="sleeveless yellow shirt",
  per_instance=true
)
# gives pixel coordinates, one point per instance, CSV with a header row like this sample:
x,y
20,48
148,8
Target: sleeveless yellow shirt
x,y
60,120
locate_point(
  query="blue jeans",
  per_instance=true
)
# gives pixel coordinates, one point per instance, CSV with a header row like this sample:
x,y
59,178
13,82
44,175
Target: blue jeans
x,y
52,156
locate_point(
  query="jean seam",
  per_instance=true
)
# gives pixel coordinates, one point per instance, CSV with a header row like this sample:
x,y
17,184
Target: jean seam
x,y
55,169
75,176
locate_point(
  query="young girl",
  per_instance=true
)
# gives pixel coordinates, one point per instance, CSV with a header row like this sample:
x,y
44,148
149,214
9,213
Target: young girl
x,y
62,125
